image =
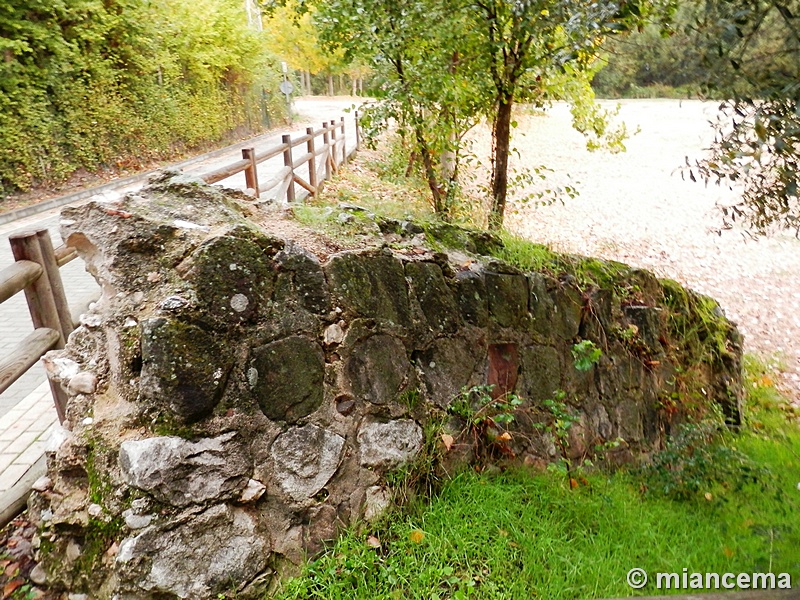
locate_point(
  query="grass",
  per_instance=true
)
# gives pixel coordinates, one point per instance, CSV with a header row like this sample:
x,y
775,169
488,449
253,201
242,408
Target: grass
x,y
518,534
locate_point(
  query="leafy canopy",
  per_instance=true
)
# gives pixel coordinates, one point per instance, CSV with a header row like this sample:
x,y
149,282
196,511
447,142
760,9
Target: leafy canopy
x,y
751,49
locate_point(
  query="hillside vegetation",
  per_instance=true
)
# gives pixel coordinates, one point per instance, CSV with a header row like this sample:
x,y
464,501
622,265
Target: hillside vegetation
x,y
116,83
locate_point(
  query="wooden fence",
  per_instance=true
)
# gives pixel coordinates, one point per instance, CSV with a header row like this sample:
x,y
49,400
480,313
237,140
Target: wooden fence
x,y
333,149
36,268
36,273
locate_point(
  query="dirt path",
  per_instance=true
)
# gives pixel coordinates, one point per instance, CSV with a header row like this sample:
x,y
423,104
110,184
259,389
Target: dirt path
x,y
634,207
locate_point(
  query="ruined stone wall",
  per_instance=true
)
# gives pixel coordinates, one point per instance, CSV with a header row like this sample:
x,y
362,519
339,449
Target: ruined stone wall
x,y
234,401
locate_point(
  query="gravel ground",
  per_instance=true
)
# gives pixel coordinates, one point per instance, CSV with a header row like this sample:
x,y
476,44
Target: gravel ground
x,y
634,207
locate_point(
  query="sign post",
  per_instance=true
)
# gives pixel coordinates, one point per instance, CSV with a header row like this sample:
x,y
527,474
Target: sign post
x,y
287,88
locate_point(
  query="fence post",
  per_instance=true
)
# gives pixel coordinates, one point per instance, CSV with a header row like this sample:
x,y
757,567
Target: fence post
x,y
251,172
312,163
344,144
358,134
47,303
287,161
327,141
333,147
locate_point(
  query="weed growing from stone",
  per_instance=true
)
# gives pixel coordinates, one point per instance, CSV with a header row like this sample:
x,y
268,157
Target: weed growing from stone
x,y
586,354
487,417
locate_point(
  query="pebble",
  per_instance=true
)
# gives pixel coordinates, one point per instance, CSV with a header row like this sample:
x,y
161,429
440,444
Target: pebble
x,y
239,302
333,334
254,490
173,303
137,521
84,382
42,484
38,575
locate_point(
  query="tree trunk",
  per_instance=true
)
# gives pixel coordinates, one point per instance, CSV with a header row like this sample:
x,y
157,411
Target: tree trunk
x,y
501,141
307,82
330,84
354,85
430,172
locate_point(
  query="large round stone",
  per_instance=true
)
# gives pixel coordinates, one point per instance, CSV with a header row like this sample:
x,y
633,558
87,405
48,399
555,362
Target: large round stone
x,y
288,378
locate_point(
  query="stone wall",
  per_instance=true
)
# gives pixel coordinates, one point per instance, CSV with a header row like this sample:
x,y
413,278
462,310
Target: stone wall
x,y
235,401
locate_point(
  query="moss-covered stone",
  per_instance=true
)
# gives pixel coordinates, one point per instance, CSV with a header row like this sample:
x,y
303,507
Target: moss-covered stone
x,y
370,284
452,236
568,314
508,299
378,369
541,372
183,368
307,278
232,276
434,296
449,365
470,290
540,305
288,378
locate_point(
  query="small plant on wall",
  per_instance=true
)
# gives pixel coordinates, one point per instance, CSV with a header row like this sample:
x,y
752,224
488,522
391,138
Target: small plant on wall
x,y
586,354
487,418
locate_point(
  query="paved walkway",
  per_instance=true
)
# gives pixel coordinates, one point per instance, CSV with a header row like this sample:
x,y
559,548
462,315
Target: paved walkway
x,y
24,431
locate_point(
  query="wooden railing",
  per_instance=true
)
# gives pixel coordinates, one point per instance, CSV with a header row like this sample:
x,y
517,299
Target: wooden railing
x,y
36,268
36,273
333,149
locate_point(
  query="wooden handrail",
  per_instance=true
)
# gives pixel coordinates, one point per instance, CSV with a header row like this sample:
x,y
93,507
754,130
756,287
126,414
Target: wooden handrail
x,y
299,162
277,180
26,354
17,277
226,171
271,153
65,254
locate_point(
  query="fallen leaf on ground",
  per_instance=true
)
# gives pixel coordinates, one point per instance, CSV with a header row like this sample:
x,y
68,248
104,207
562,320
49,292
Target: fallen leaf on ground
x,y
417,536
11,587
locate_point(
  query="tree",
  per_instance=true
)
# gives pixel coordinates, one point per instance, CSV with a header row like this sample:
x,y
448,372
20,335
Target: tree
x,y
526,45
294,38
447,64
90,83
426,85
752,52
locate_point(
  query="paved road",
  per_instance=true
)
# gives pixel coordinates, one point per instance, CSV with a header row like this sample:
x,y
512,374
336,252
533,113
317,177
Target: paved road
x,y
15,322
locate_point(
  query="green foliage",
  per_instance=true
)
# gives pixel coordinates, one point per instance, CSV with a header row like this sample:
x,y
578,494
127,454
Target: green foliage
x,y
657,61
752,50
488,417
418,481
536,536
699,459
558,425
89,84
586,354
696,323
